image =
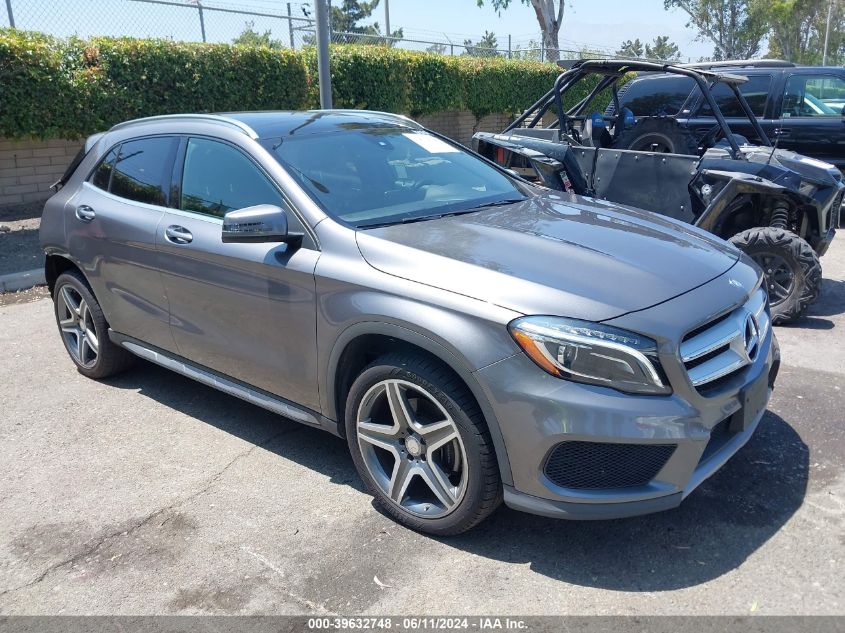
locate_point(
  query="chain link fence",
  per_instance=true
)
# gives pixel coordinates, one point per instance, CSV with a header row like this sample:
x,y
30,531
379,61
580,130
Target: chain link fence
x,y
276,23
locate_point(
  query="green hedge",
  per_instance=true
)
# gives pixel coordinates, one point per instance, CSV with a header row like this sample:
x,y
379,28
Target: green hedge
x,y
70,88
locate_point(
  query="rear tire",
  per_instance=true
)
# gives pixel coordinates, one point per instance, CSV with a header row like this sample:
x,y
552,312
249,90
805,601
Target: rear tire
x,y
84,330
659,135
792,268
421,445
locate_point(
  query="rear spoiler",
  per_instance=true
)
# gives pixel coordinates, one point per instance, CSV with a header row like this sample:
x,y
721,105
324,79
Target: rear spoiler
x,y
80,155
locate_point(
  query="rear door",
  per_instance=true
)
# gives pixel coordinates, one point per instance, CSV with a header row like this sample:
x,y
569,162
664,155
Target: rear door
x,y
112,232
811,120
244,310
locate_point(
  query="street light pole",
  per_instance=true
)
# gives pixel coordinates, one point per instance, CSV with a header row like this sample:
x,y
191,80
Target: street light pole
x,y
387,17
11,17
323,74
827,33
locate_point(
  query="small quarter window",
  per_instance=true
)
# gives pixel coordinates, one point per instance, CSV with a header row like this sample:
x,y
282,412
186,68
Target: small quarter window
x,y
102,175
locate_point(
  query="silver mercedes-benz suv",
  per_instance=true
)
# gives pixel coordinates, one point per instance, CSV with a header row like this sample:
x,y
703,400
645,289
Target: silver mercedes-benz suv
x,y
472,336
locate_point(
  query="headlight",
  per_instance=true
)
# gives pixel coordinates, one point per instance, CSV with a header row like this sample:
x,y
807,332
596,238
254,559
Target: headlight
x,y
591,353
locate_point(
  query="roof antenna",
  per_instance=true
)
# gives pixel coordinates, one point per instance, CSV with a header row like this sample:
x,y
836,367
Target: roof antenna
x,y
777,140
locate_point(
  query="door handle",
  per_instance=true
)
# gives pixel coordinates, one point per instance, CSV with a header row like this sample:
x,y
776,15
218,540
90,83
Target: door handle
x,y
85,213
178,234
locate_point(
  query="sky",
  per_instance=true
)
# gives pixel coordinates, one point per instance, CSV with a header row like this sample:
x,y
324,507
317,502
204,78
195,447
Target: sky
x,y
587,23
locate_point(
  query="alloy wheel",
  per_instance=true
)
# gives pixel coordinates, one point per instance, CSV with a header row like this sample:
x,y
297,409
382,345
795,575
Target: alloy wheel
x,y
411,448
780,279
77,325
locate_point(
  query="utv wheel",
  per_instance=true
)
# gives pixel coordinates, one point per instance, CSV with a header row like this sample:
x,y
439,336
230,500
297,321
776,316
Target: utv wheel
x,y
84,330
421,446
793,272
663,136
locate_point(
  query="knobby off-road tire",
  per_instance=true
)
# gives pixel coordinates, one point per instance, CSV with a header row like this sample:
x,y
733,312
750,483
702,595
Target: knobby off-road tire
x,y
778,251
84,329
657,135
398,416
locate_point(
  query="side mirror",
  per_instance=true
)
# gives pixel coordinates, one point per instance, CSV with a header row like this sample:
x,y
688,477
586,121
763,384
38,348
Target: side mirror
x,y
261,223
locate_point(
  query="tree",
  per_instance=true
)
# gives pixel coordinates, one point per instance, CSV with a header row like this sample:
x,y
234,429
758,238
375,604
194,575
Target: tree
x,y
250,37
798,27
549,16
736,27
631,49
440,49
345,28
662,49
487,46
532,52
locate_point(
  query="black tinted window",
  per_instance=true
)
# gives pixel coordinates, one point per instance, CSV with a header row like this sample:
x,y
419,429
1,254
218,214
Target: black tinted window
x,y
102,175
218,178
755,91
655,96
142,171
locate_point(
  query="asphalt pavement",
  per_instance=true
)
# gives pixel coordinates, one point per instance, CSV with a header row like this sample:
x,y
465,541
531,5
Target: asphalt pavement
x,y
151,494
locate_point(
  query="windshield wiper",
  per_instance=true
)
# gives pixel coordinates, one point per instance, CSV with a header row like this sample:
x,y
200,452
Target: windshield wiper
x,y
437,216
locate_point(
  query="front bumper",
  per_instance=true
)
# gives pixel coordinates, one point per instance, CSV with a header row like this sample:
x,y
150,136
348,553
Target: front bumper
x,y
537,412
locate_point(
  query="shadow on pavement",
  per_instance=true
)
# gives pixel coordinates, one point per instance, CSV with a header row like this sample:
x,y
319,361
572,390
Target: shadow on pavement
x,y
720,525
831,302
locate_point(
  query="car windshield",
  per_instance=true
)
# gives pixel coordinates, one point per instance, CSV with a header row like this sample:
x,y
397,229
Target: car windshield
x,y
382,175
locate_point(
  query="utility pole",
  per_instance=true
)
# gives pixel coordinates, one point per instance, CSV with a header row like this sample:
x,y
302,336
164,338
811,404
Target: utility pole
x,y
202,19
9,11
290,28
826,32
323,74
387,18
509,45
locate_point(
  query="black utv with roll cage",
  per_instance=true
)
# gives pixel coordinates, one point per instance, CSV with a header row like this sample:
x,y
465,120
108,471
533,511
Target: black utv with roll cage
x,y
778,206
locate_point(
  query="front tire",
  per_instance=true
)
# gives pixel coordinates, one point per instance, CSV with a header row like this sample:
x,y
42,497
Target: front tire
x,y
792,268
84,330
421,446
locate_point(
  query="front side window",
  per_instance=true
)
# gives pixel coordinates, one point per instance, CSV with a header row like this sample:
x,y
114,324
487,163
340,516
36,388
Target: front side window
x,y
142,170
370,174
218,178
814,96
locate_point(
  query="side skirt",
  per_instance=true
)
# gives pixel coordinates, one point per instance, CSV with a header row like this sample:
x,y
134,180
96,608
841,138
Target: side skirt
x,y
225,384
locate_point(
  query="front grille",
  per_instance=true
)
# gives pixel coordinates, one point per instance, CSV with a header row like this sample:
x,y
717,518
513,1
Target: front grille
x,y
719,436
593,465
712,353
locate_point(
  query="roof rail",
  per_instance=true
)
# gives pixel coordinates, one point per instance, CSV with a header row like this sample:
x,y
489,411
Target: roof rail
x,y
208,118
744,63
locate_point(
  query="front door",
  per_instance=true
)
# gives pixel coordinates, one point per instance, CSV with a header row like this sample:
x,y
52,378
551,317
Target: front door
x,y
244,310
811,116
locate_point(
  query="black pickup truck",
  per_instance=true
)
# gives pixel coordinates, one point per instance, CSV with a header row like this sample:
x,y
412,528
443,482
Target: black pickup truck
x,y
800,107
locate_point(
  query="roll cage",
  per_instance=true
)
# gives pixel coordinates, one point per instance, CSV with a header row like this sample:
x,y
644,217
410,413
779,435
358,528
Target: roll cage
x,y
611,71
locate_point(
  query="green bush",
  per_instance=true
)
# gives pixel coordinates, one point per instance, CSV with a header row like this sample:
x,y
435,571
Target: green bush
x,y
70,88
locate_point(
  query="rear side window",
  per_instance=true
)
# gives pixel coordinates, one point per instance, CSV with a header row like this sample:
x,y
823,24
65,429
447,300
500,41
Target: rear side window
x,y
218,178
142,170
102,175
656,96
755,91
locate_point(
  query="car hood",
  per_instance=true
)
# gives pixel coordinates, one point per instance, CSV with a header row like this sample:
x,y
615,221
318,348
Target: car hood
x,y
553,254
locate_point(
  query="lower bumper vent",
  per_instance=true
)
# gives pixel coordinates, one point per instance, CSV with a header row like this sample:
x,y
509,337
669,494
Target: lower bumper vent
x,y
593,465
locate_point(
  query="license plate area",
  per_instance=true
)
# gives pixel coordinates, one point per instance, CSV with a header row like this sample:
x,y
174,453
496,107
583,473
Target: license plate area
x,y
753,400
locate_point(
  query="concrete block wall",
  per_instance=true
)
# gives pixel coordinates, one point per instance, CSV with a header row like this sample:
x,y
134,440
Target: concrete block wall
x,y
461,125
29,167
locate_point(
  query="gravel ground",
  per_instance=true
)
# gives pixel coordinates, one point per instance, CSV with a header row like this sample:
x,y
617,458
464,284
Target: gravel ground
x,y
151,494
19,249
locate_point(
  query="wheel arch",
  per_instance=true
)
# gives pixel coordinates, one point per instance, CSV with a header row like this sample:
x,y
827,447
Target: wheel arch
x,y
361,343
56,264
